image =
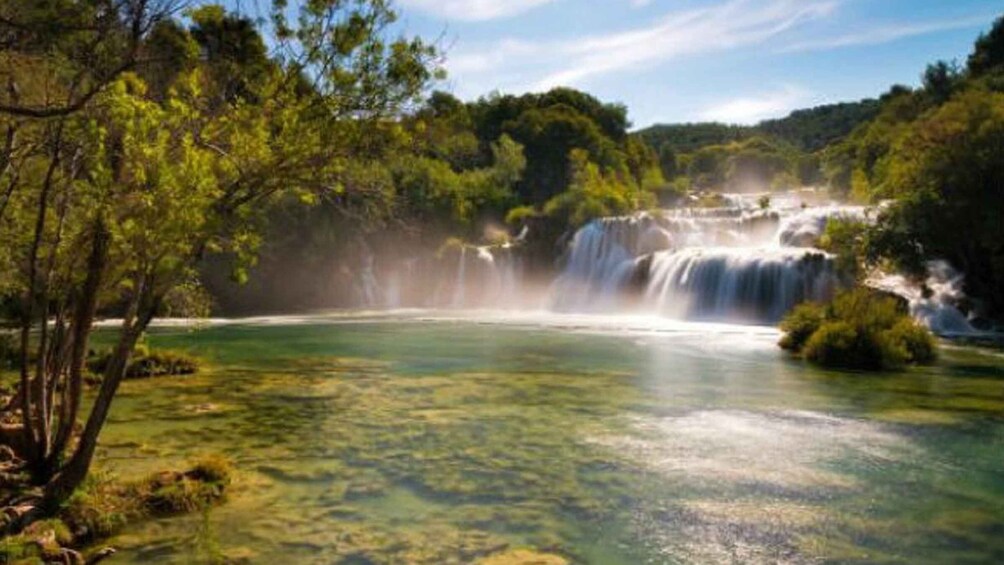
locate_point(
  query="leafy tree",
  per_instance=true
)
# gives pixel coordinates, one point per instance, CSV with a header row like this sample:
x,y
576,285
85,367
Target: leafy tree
x,y
59,54
117,194
667,161
594,194
988,54
946,174
940,80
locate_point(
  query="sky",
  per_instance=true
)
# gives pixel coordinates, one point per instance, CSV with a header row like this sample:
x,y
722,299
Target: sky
x,y
671,61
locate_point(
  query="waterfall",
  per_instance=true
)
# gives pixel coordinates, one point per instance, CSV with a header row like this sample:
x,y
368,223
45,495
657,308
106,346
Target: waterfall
x,y
487,277
933,303
739,262
742,262
369,287
460,285
804,229
725,283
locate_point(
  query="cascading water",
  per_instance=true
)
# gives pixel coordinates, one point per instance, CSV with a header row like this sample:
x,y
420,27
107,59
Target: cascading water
x,y
738,262
741,262
737,283
934,302
486,277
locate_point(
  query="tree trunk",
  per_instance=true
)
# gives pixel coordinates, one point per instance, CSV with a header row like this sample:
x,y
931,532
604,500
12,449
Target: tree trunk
x,y
83,320
75,471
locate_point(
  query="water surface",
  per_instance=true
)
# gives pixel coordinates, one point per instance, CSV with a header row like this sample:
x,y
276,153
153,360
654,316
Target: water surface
x,y
434,439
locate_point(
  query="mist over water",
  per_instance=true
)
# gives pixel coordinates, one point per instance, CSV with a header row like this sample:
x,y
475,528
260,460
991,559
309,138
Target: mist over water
x,y
747,261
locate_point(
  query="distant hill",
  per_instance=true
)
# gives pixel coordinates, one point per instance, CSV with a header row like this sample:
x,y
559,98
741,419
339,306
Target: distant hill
x,y
815,128
810,129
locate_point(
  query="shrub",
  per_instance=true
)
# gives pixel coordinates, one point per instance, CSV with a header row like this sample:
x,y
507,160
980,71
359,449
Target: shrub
x,y
916,339
859,329
800,324
520,214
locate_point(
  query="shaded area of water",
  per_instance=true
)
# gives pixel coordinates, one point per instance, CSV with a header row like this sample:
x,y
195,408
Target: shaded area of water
x,y
418,441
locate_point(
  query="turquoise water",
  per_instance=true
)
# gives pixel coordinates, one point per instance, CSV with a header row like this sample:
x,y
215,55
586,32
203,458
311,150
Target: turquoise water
x,y
433,440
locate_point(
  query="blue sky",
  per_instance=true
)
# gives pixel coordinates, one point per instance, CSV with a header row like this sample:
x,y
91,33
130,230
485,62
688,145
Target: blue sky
x,y
694,60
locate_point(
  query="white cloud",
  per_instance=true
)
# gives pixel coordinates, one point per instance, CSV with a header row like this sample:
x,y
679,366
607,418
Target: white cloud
x,y
750,110
878,35
540,65
473,10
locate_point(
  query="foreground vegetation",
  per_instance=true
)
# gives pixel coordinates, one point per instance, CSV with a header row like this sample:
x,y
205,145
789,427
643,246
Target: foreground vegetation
x,y
136,146
103,506
859,329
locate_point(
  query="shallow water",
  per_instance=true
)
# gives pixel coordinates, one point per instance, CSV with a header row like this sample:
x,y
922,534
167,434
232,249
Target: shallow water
x,y
421,438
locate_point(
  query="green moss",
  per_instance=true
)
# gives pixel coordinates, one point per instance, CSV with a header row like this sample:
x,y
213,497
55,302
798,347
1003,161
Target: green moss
x,y
173,493
520,214
40,542
19,549
99,508
103,506
145,363
214,469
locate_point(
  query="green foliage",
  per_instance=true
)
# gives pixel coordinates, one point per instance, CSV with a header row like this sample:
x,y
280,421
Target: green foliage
x,y
122,176
799,325
773,154
520,214
847,239
916,343
988,53
38,543
667,161
99,508
836,344
945,172
687,138
859,329
815,128
170,493
213,468
593,194
9,351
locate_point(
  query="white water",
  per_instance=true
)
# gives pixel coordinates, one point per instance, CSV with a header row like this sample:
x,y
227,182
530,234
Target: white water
x,y
735,263
932,303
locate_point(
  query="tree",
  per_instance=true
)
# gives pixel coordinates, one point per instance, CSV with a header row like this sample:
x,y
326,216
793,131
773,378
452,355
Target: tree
x,y
946,174
988,53
62,53
667,161
940,80
120,194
